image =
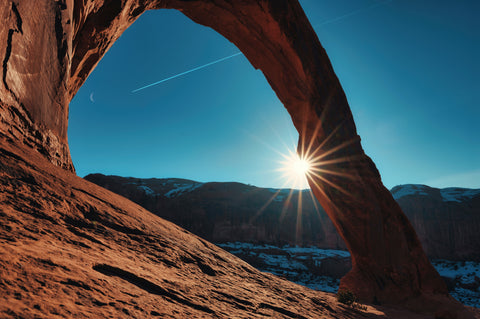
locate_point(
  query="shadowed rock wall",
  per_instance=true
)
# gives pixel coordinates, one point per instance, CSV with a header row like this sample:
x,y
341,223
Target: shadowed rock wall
x,y
228,212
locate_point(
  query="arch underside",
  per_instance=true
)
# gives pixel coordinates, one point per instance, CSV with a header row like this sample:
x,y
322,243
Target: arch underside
x,y
389,264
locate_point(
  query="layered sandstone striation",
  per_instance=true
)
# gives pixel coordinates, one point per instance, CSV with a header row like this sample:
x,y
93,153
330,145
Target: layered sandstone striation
x,y
49,49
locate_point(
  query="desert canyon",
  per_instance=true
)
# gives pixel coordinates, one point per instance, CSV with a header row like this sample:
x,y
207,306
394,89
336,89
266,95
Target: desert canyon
x,y
73,249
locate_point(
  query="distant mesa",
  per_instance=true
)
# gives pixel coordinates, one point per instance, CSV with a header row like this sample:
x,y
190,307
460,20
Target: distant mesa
x,y
449,194
446,220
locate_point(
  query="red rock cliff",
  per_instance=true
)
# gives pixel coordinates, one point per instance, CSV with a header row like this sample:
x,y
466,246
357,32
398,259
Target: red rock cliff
x,y
49,48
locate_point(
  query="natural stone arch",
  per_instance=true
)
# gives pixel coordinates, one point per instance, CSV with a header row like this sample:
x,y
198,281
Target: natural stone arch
x,y
51,48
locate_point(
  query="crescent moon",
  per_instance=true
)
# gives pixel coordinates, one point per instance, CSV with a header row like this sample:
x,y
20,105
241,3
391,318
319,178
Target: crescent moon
x,y
91,98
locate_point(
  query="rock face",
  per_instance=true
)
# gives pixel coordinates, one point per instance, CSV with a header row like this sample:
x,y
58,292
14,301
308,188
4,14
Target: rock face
x,y
446,220
227,212
33,91
49,49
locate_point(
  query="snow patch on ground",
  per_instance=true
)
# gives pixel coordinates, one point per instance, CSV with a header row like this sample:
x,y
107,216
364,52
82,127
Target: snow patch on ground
x,y
290,250
146,189
281,261
301,264
466,275
289,262
410,189
456,194
451,194
316,252
467,270
181,189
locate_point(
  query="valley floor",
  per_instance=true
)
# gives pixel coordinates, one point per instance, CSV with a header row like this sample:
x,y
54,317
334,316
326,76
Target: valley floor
x,y
321,269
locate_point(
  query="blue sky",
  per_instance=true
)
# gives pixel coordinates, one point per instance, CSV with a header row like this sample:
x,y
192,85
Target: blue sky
x,y
410,70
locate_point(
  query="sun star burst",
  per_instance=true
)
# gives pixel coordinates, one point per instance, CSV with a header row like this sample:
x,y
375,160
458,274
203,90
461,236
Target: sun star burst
x,y
295,170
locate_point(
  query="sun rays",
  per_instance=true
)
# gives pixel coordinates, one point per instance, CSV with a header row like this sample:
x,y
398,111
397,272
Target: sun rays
x,y
295,168
317,166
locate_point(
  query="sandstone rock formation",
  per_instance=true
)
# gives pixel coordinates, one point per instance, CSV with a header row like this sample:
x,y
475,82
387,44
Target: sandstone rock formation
x,y
49,49
447,225
71,249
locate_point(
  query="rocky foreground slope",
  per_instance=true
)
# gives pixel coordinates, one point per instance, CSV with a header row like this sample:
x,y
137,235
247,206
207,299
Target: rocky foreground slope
x,y
70,248
446,220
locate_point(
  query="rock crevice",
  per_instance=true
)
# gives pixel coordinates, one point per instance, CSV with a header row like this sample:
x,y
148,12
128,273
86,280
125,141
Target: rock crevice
x,y
8,49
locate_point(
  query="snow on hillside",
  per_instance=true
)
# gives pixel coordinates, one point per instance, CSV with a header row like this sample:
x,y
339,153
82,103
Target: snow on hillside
x,y
466,270
303,266
410,189
456,194
466,278
146,189
451,194
296,264
175,187
181,188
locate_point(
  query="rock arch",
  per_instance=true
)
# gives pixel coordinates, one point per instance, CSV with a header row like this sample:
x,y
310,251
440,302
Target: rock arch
x,y
49,48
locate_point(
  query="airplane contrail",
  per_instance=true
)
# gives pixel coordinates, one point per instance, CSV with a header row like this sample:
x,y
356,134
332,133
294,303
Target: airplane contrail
x,y
351,13
239,53
189,71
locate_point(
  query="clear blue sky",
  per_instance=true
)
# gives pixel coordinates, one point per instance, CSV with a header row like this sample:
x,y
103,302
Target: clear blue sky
x,y
410,70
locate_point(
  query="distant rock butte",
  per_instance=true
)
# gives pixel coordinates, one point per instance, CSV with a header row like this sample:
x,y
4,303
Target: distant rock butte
x,y
49,48
446,220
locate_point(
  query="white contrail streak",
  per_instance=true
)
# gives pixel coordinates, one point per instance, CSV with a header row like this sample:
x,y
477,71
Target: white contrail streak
x,y
351,13
189,71
238,53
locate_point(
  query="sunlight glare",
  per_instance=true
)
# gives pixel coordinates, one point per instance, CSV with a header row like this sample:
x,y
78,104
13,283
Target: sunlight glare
x,y
301,166
295,169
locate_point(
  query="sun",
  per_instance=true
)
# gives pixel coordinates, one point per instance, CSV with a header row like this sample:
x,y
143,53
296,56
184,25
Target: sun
x,y
295,170
301,166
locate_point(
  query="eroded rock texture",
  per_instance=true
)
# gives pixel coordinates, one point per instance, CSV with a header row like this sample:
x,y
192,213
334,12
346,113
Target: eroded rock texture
x,y
35,68
50,47
71,249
